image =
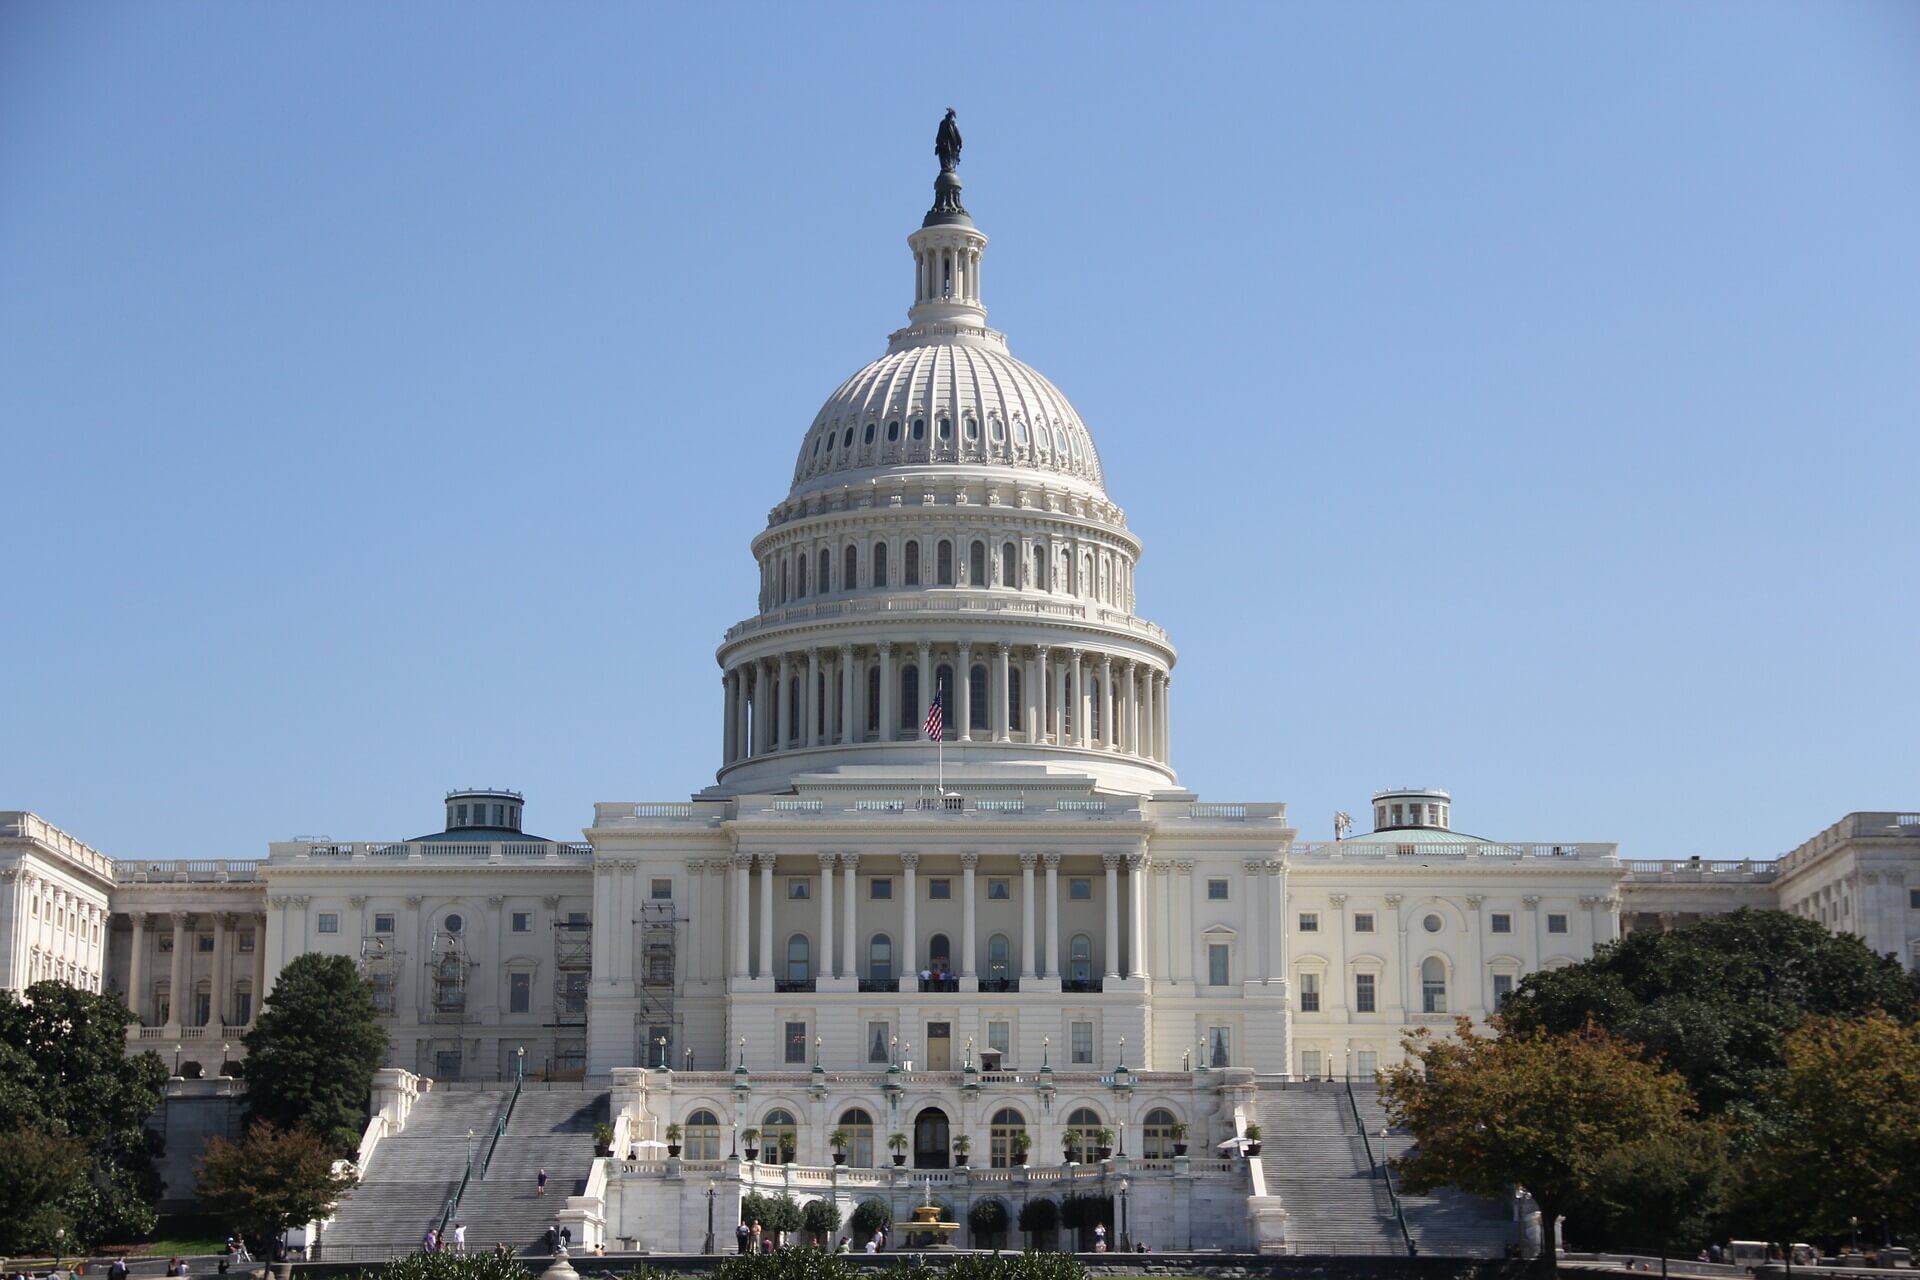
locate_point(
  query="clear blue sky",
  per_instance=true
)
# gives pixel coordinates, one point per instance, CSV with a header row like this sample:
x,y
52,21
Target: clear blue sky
x,y
1520,399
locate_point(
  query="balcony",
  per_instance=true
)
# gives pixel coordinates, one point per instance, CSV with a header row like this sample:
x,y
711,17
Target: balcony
x,y
868,985
939,984
999,984
789,986
1083,986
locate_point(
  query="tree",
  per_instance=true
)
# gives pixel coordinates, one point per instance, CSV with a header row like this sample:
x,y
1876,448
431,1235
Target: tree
x,y
1848,1106
271,1180
820,1219
313,1050
65,1073
1715,1001
1538,1111
988,1220
774,1213
1037,1217
870,1216
38,1181
1663,1191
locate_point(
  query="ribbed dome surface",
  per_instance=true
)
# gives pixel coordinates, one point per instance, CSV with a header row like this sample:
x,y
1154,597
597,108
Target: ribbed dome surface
x,y
960,400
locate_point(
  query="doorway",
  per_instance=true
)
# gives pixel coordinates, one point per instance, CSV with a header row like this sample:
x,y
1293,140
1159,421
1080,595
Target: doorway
x,y
930,1139
939,1046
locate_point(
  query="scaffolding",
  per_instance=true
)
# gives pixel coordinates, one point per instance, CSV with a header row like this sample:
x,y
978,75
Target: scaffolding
x,y
657,1019
448,969
380,966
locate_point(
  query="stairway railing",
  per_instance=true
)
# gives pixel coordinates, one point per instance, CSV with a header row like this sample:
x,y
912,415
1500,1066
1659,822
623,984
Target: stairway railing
x,y
500,1129
1384,1169
460,1193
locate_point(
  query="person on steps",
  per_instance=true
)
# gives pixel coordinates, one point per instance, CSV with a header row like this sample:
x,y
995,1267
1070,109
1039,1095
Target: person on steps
x,y
540,1183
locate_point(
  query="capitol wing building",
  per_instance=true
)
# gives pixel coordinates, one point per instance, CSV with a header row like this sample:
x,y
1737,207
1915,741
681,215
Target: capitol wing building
x,y
1027,934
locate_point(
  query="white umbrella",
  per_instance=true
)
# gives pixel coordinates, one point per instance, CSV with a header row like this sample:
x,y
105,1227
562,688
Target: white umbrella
x,y
650,1144
1235,1141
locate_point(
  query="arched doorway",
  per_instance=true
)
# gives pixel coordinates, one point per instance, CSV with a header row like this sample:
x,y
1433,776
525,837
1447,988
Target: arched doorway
x,y
930,1134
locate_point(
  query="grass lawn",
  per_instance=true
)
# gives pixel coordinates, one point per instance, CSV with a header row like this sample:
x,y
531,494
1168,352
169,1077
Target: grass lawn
x,y
183,1234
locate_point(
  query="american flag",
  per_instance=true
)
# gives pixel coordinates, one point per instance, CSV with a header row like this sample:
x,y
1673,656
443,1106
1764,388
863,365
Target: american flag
x,y
935,718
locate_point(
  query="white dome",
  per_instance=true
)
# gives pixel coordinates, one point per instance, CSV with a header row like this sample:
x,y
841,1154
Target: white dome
x,y
944,395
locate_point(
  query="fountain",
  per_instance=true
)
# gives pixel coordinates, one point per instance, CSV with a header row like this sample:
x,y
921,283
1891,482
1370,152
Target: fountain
x,y
926,1231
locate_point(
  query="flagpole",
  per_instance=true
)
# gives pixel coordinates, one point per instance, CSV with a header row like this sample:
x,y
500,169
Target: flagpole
x,y
940,747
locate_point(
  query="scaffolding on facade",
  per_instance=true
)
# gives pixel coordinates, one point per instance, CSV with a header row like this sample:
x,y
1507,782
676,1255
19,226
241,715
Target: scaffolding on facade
x,y
380,965
657,1022
448,969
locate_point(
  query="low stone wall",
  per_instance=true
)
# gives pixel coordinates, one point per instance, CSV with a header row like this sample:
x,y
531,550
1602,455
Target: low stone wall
x,y
1214,1266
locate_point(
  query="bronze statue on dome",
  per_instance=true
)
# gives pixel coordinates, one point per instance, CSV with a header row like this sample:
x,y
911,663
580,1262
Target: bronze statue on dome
x,y
946,143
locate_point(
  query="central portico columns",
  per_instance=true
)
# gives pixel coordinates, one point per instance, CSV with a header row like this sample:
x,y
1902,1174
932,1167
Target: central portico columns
x,y
742,925
1250,892
968,861
911,968
1112,945
1026,915
136,998
1050,954
177,980
827,968
766,916
1137,916
850,960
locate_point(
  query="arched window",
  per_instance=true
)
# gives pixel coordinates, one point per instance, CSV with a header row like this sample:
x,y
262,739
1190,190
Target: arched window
x,y
1006,1122
1433,985
977,701
850,571
1081,1136
1015,707
783,582
910,691
858,1124
779,1136
880,958
1080,958
701,1136
1039,568
999,956
943,563
1009,567
912,578
799,958
977,565
1156,1134
800,578
873,700
826,569
879,564
939,954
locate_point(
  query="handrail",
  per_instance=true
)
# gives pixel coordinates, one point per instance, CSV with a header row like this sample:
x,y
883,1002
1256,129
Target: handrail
x,y
501,1127
460,1193
1386,1171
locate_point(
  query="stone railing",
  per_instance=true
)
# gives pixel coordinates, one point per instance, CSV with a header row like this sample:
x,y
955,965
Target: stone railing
x,y
1855,826
187,871
373,851
821,1177
948,601
18,824
1700,870
1370,851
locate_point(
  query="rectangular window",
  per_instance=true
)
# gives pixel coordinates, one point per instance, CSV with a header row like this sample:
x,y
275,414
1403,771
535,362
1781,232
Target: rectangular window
x,y
519,993
1913,899
1556,923
1363,922
203,942
202,1008
1502,987
383,922
1310,1064
1079,889
1366,1063
1220,1046
1363,993
1217,891
1309,922
522,921
242,1008
939,889
999,889
659,964
1501,922
245,941
799,889
1000,1036
877,1042
796,1042
1082,1035
166,944
329,922
880,889
1309,993
663,889
1216,964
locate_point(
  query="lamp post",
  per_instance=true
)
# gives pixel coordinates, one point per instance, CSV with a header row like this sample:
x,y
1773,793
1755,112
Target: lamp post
x,y
1126,1245
1122,1152
708,1246
1854,1222
663,1053
469,1152
520,1064
176,1058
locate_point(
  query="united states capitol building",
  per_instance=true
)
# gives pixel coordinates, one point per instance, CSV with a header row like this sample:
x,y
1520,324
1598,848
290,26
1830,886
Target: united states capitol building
x,y
1031,933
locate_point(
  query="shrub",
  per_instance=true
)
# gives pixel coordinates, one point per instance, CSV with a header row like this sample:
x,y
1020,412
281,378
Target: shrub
x,y
822,1219
773,1213
1079,1212
445,1266
870,1216
1039,1215
987,1218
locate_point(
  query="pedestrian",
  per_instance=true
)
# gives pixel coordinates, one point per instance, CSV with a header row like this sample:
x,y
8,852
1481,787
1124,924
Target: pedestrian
x,y
540,1183
460,1238
873,1243
1100,1237
428,1241
742,1235
552,1240
117,1270
756,1235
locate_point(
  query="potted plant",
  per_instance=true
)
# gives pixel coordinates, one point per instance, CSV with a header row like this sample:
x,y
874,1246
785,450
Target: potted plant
x,y
1018,1144
838,1140
961,1145
603,1139
1252,1135
674,1133
750,1142
1070,1146
786,1152
1103,1144
1178,1130
897,1143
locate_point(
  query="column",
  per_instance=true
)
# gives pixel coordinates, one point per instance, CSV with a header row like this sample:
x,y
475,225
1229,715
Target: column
x,y
886,690
1034,698
967,863
1137,917
1002,696
1050,954
766,915
729,693
1130,718
742,700
1108,738
1082,704
1180,963
1026,914
761,736
926,684
962,714
826,966
1277,929
219,1014
783,735
259,965
177,992
1059,678
1254,956
1149,717
1166,720
1111,945
742,913
849,865
909,966
136,964
848,684
810,728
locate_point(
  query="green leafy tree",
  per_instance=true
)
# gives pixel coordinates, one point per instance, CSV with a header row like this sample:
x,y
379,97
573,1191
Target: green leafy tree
x,y
271,1180
1716,1001
1037,1217
39,1178
1847,1105
1537,1111
988,1220
774,1213
313,1050
65,1073
820,1219
1663,1192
